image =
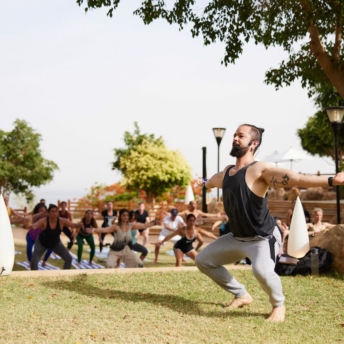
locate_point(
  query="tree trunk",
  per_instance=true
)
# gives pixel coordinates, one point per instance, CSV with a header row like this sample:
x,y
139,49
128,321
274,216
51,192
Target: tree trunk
x,y
333,72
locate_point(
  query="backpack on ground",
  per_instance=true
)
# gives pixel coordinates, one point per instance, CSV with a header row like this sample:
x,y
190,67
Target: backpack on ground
x,y
304,267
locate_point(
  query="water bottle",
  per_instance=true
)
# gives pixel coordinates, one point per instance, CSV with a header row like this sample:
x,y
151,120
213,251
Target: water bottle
x,y
315,262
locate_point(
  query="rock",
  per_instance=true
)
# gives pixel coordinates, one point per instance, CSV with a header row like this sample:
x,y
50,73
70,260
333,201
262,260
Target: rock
x,y
276,194
332,241
214,207
293,193
313,194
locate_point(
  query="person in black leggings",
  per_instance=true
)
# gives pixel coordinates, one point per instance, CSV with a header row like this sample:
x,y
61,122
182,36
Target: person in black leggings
x,y
109,216
64,213
50,237
82,234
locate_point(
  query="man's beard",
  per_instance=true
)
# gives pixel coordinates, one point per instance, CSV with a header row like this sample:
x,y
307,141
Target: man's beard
x,y
238,152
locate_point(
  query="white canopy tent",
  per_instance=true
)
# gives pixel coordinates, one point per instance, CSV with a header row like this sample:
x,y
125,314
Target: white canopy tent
x,y
290,155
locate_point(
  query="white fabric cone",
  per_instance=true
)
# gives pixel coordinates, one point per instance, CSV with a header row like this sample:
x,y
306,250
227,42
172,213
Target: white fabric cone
x,y
6,241
189,195
298,241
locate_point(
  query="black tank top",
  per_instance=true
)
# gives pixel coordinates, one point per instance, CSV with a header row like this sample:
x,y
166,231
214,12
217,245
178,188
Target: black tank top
x,y
185,240
248,213
83,231
50,238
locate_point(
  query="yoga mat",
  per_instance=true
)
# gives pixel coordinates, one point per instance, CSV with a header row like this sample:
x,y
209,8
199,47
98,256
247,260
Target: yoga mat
x,y
84,264
47,266
55,256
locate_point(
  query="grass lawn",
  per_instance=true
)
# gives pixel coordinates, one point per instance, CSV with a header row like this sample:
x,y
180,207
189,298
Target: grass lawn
x,y
165,307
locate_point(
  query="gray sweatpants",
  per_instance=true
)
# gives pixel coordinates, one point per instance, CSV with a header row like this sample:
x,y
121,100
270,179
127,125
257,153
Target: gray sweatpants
x,y
228,250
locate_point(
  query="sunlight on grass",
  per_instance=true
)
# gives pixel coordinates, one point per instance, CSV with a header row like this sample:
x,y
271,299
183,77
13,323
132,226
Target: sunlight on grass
x,y
164,307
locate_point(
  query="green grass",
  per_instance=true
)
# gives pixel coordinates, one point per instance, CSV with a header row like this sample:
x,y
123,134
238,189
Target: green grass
x,y
164,307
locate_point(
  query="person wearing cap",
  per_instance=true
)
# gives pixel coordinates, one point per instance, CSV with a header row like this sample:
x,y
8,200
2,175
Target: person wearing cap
x,y
170,224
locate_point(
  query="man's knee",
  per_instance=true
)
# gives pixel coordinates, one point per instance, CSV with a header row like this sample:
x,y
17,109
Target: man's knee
x,y
262,274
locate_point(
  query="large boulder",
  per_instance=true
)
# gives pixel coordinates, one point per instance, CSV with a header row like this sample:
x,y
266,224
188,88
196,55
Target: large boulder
x,y
276,194
332,241
214,207
313,194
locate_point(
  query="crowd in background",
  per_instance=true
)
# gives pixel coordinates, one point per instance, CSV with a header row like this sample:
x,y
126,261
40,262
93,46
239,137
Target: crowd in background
x,y
45,224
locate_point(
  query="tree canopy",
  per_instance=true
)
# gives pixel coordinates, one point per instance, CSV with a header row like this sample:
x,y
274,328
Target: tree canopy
x,y
147,164
22,165
310,31
317,137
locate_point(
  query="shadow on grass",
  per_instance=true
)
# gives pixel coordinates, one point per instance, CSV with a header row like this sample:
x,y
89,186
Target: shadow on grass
x,y
169,301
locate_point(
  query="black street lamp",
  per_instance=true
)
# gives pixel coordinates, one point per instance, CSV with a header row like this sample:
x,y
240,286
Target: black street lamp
x,y
335,115
218,132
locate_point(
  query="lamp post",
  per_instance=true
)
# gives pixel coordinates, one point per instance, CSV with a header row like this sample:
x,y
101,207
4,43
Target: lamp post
x,y
335,115
204,175
218,132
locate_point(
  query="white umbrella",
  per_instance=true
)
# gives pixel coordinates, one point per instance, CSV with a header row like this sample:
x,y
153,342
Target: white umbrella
x,y
272,157
291,155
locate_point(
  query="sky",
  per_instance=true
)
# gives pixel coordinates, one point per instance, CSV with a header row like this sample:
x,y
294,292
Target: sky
x,y
82,80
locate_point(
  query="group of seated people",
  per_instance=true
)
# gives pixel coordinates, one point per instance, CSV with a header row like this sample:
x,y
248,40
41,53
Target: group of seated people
x,y
314,226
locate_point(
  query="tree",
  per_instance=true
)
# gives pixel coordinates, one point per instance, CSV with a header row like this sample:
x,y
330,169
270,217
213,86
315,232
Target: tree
x,y
317,59
147,164
22,165
118,193
132,141
317,136
109,193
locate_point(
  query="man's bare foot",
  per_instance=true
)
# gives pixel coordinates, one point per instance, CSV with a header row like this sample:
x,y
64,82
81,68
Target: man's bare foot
x,y
155,261
277,314
238,302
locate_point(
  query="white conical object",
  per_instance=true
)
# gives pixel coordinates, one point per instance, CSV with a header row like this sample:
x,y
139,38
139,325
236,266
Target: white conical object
x,y
298,241
6,241
189,195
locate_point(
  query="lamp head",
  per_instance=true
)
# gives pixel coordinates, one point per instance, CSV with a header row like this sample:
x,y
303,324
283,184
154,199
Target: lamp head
x,y
335,114
219,133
